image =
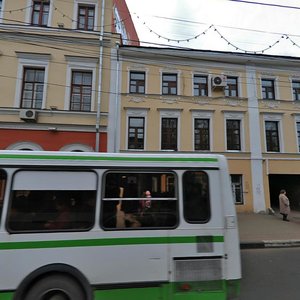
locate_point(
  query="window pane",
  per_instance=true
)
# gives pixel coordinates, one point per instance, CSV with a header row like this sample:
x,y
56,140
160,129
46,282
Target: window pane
x,y
169,134
136,133
237,188
200,85
201,134
272,136
137,82
169,84
196,204
139,200
81,91
33,87
52,201
233,134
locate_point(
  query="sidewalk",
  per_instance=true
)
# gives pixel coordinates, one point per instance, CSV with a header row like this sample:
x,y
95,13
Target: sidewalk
x,y
259,230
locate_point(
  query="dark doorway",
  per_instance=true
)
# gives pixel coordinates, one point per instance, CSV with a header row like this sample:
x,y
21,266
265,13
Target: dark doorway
x,y
291,183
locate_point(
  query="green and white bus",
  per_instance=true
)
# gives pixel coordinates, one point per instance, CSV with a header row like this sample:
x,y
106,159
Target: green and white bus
x,y
83,226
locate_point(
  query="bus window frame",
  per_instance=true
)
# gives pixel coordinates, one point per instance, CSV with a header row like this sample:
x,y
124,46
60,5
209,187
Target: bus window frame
x,y
2,191
184,196
141,171
55,169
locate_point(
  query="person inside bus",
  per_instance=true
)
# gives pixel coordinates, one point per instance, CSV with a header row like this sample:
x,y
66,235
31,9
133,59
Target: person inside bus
x,y
63,218
145,214
130,208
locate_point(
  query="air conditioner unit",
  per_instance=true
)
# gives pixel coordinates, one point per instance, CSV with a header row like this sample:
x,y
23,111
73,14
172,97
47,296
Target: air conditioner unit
x,y
28,115
219,81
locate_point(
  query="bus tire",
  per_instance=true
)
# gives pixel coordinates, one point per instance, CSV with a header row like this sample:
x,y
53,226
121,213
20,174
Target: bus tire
x,y
57,287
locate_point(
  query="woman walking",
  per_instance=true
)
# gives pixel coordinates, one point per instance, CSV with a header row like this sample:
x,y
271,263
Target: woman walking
x,y
284,205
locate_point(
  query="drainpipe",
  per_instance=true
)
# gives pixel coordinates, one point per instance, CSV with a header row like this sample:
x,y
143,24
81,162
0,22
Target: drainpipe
x,y
100,78
117,106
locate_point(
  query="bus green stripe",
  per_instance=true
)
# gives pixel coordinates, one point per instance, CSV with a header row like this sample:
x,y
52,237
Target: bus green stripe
x,y
111,242
107,158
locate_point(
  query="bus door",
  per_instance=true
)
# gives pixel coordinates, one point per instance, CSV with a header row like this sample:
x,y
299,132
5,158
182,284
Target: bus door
x,y
197,245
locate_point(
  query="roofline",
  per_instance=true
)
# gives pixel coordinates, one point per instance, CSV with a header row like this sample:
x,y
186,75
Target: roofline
x,y
221,56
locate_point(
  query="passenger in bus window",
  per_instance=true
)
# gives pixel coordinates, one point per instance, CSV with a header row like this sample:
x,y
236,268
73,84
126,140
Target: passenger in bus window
x,y
146,215
145,204
130,208
63,219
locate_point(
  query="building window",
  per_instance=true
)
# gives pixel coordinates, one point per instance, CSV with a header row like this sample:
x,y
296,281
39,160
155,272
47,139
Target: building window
x,y
169,84
169,133
233,133
268,89
231,90
201,134
272,136
40,13
296,90
137,83
86,17
237,188
32,88
0,5
81,91
200,85
136,129
298,135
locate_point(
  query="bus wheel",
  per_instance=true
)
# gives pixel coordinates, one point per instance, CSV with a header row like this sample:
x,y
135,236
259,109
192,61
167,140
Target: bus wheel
x,y
56,287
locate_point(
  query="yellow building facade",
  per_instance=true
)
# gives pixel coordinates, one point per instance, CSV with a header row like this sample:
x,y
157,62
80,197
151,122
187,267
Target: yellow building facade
x,y
244,106
55,74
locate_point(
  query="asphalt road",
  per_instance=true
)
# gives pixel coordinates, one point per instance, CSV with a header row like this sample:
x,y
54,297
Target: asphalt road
x,y
270,274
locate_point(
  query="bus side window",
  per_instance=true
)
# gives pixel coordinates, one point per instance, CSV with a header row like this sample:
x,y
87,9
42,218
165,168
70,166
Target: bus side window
x,y
2,189
51,210
196,197
137,200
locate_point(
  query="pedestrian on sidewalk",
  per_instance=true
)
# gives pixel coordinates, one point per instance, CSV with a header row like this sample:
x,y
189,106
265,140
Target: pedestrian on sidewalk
x,y
284,205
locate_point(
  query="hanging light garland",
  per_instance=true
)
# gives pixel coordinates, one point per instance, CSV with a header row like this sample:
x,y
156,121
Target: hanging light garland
x,y
229,43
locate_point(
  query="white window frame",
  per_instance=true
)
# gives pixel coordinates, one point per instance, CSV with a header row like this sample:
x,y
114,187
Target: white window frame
x,y
29,13
25,145
239,83
292,79
85,2
240,116
172,114
209,94
276,87
297,120
31,61
170,71
137,69
242,190
197,114
77,147
138,113
2,10
83,66
274,117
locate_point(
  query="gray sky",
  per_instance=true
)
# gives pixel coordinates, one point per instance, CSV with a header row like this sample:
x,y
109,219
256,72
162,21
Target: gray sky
x,y
250,27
